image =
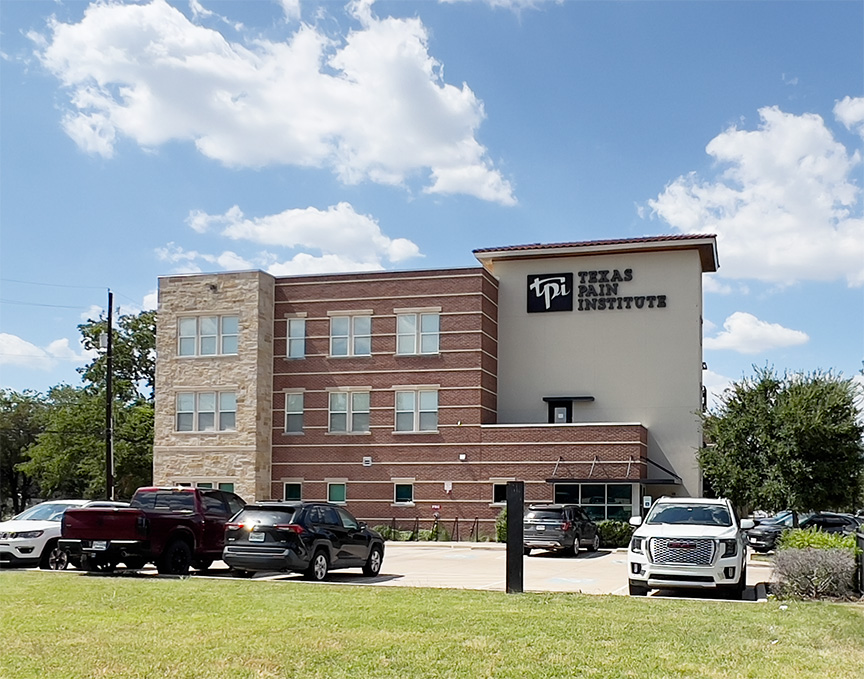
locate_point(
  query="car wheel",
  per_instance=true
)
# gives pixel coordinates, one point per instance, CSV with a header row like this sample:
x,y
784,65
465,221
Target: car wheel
x,y
637,589
737,590
574,550
318,567
202,565
595,543
526,551
175,559
54,558
373,563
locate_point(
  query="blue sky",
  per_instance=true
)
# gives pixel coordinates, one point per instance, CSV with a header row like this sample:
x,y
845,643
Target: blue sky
x,y
145,139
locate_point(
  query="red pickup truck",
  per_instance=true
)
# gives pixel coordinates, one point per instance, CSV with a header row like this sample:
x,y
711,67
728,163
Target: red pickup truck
x,y
175,528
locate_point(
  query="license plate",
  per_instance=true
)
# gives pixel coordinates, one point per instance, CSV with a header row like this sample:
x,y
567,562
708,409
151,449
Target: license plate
x,y
256,537
541,527
100,545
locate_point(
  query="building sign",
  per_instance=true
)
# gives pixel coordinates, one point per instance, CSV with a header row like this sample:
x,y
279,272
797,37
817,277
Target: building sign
x,y
550,292
602,290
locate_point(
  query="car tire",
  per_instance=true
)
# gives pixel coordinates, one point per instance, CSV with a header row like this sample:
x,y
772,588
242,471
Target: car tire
x,y
54,558
318,566
202,565
574,550
595,543
526,551
737,590
175,560
373,563
637,588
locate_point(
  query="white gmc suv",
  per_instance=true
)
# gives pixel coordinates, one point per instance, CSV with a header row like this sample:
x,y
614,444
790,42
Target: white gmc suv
x,y
688,543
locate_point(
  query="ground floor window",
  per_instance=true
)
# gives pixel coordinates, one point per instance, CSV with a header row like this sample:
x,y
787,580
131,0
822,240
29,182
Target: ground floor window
x,y
293,491
600,501
221,485
403,493
499,493
337,493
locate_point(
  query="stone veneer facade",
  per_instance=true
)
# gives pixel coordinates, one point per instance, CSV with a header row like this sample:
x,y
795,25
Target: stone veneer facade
x,y
240,457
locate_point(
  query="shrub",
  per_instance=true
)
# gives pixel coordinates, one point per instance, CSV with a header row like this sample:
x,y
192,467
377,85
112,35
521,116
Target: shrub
x,y
501,526
394,534
614,533
438,534
815,539
814,573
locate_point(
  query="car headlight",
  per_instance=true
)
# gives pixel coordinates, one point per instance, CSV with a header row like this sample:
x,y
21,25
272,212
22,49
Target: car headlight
x,y
636,544
28,534
730,547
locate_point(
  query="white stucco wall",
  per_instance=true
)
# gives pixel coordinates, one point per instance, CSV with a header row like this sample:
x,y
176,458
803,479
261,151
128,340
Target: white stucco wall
x,y
640,365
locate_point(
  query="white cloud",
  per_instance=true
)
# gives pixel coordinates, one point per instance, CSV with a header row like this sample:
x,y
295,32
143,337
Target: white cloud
x,y
371,107
20,352
150,301
339,230
787,208
291,9
515,5
746,334
715,384
850,112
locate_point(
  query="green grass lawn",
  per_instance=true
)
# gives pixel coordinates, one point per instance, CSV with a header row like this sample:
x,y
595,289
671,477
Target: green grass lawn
x,y
67,625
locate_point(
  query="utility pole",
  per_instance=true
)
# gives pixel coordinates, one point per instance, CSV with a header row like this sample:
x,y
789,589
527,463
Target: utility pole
x,y
109,402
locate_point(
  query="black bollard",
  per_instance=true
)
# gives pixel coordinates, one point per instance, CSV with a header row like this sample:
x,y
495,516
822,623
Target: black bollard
x,y
515,545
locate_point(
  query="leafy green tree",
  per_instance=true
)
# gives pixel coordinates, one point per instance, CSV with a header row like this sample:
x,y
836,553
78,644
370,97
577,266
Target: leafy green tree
x,y
133,355
69,458
791,442
20,424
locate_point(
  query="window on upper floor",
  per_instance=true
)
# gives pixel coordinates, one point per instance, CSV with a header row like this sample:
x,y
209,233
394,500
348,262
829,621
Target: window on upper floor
x,y
351,336
207,335
349,411
206,411
417,333
294,412
296,338
417,410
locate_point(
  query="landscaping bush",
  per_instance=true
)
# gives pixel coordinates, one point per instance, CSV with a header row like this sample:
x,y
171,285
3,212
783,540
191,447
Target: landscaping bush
x,y
501,526
438,534
810,573
815,539
614,533
394,534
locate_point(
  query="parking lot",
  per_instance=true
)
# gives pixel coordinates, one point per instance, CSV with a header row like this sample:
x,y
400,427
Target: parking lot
x,y
482,566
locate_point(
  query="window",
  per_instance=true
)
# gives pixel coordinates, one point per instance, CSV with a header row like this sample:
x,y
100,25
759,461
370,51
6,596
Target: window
x,y
403,493
293,490
351,336
417,333
294,413
206,411
416,411
349,411
337,493
207,335
296,338
599,500
499,493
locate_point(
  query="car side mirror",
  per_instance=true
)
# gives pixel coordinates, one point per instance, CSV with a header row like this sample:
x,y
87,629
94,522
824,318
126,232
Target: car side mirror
x,y
635,521
362,524
747,524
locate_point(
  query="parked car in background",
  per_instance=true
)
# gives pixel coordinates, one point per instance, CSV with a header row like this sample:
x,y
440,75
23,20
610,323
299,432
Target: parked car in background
x,y
696,543
312,538
564,528
175,528
763,537
30,539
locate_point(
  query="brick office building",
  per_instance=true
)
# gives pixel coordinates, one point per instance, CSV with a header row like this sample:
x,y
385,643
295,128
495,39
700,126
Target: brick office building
x,y
575,368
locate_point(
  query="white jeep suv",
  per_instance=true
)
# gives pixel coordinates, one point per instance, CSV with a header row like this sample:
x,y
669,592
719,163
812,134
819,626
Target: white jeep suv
x,y
688,543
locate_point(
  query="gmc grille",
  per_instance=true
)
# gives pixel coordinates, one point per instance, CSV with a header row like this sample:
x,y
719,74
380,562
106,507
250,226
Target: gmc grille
x,y
689,551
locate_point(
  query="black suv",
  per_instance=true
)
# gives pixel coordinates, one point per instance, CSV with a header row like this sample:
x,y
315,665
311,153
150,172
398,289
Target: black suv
x,y
306,537
764,537
558,527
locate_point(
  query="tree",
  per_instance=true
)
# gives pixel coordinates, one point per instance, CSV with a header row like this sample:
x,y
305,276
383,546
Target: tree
x,y
20,424
133,354
69,458
791,442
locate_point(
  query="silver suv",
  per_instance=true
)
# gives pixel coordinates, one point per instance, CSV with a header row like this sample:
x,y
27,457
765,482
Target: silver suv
x,y
563,528
689,543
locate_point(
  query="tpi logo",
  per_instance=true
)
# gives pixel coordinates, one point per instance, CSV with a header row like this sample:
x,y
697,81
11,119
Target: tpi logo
x,y
550,292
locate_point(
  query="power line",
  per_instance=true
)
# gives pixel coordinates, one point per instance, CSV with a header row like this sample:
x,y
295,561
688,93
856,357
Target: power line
x,y
55,285
53,306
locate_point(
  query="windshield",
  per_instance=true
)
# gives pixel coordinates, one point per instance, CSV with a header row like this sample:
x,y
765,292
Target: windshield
x,y
689,514
265,517
47,511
